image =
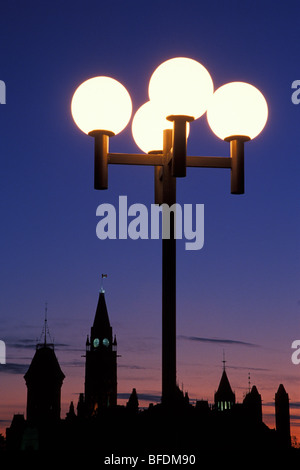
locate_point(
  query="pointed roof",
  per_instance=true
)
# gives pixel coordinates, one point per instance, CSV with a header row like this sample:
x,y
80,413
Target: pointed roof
x,y
224,392
252,396
254,391
101,320
133,402
44,366
281,393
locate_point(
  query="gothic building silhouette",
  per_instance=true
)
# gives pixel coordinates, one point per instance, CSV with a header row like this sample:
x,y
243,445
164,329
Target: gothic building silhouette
x,y
282,414
224,396
101,362
99,423
44,379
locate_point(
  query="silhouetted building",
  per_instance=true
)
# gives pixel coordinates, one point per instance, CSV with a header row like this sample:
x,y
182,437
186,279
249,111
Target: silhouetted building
x,y
203,407
14,434
44,379
101,362
224,396
133,402
71,413
103,426
253,405
81,406
282,416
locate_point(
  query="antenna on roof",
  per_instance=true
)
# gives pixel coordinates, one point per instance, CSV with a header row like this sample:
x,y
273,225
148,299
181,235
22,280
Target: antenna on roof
x,y
224,362
249,382
45,331
45,323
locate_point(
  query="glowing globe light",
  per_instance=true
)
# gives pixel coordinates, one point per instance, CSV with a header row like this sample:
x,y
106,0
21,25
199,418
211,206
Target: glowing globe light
x,y
101,103
148,125
181,86
237,109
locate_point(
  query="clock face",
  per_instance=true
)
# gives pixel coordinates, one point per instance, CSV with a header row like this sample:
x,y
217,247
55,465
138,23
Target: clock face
x,y
105,342
96,342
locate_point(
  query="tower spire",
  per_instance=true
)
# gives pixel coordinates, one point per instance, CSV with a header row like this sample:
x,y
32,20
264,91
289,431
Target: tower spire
x,y
101,361
224,396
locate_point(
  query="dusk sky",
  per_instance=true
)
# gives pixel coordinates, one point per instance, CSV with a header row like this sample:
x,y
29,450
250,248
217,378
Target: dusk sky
x,y
240,292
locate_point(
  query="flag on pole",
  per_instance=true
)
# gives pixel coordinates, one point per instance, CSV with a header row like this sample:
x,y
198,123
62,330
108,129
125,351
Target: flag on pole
x,y
104,276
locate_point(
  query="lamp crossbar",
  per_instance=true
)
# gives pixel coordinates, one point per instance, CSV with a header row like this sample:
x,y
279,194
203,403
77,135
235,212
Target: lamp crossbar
x,y
159,160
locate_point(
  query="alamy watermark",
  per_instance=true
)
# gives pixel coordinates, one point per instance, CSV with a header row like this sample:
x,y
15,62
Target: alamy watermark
x,y
2,92
2,352
296,354
295,97
137,222
296,94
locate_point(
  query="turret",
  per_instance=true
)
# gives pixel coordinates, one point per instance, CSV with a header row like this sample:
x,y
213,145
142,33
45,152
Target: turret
x,y
282,416
253,405
44,379
133,402
224,396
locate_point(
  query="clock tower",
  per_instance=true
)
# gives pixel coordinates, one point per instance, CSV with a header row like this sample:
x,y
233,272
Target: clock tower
x,y
101,362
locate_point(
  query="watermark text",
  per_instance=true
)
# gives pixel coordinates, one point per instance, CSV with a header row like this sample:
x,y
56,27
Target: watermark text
x,y
2,92
296,354
137,222
296,94
2,352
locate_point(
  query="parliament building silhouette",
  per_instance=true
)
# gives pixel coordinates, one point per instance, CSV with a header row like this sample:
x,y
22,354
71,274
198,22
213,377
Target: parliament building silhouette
x,y
99,423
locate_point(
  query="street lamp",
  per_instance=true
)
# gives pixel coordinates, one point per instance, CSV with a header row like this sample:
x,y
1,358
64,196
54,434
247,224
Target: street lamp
x,y
180,91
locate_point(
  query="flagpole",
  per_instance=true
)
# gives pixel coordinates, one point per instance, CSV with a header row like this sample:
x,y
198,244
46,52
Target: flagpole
x,y
103,276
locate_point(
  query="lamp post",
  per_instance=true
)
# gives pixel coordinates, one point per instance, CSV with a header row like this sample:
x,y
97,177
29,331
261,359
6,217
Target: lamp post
x,y
180,91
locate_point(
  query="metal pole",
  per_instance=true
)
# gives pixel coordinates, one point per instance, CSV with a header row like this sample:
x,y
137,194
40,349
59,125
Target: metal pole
x,y
101,160
168,282
237,163
179,144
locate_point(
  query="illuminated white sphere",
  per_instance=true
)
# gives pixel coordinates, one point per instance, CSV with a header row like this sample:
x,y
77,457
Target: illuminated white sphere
x,y
101,103
181,86
237,108
148,125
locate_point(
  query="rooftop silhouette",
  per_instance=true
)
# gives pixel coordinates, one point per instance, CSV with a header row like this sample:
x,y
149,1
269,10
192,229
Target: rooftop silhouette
x,y
98,422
